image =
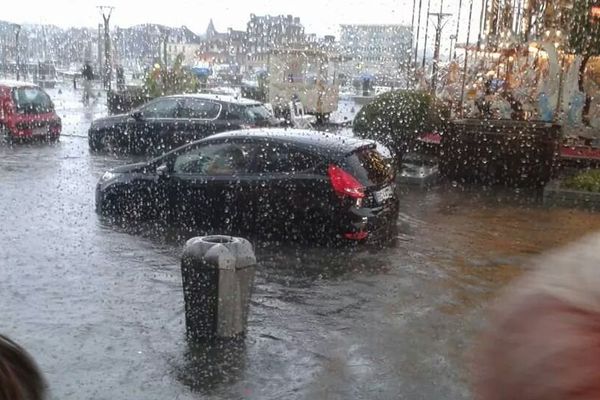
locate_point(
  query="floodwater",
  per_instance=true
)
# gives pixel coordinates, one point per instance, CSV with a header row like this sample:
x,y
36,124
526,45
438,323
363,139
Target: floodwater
x,y
101,309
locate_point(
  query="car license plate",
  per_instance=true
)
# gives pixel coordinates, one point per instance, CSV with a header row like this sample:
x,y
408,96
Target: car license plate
x,y
39,131
384,194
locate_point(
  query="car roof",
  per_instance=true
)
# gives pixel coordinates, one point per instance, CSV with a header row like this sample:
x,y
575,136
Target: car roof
x,y
15,84
315,140
218,97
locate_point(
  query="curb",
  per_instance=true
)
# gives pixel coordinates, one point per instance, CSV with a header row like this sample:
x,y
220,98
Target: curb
x,y
555,195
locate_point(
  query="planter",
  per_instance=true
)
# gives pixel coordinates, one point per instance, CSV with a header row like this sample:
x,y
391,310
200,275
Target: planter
x,y
513,153
556,195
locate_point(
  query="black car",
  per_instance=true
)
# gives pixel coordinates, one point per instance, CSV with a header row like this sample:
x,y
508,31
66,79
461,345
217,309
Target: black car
x,y
171,121
273,182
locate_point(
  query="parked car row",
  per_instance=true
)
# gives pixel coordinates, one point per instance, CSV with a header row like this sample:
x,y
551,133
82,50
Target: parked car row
x,y
222,167
27,112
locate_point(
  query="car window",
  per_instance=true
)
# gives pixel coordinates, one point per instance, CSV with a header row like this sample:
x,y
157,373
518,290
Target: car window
x,y
32,100
213,160
269,158
249,113
199,109
164,108
370,167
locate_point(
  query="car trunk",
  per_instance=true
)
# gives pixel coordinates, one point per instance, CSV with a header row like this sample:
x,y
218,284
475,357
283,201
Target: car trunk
x,y
374,172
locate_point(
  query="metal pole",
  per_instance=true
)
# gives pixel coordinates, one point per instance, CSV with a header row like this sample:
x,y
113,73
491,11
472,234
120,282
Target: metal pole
x,y
438,35
107,52
457,27
107,55
412,24
481,19
18,55
418,32
517,22
100,63
485,19
426,30
412,40
462,90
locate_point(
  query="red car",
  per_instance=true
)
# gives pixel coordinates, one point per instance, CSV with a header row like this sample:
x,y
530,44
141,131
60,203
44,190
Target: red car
x,y
26,111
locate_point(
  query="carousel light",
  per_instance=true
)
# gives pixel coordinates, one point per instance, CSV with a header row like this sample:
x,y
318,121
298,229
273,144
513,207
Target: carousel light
x,y
511,58
547,33
558,33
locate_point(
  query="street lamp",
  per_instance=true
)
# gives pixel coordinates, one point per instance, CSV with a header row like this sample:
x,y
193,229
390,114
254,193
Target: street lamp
x,y
106,12
17,32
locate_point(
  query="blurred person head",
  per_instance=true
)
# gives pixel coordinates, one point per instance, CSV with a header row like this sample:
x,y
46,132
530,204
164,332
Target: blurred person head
x,y
543,339
20,378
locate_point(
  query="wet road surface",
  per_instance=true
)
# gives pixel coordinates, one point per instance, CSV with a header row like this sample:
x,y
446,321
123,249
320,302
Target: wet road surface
x,y
101,309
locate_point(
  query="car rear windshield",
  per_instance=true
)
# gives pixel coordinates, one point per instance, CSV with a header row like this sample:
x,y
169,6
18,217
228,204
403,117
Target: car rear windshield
x,y
32,100
252,113
370,167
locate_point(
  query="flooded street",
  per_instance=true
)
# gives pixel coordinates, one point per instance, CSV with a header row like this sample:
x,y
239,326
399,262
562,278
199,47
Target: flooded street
x,y
101,309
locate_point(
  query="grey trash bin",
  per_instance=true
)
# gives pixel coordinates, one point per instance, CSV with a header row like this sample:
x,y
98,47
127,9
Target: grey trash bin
x,y
217,274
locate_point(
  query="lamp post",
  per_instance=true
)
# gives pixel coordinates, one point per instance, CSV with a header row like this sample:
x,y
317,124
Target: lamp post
x,y
18,51
106,13
438,35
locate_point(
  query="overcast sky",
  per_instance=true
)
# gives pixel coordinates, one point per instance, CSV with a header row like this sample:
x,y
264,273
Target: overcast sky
x,y
318,16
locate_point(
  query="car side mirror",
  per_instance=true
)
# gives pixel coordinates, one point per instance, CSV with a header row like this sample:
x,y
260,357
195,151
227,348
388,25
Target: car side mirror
x,y
162,171
137,115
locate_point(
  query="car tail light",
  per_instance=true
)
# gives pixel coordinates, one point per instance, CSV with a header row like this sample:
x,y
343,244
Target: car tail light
x,y
344,184
362,235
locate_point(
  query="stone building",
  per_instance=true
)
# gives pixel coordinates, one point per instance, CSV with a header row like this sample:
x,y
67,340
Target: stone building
x,y
377,50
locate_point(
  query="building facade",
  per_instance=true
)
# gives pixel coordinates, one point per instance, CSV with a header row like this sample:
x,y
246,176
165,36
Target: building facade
x,y
268,32
379,50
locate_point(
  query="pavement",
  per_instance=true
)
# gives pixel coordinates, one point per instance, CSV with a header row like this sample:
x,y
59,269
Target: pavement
x,y
101,309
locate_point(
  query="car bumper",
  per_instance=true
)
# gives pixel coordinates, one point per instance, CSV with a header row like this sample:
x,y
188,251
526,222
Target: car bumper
x,y
370,224
34,134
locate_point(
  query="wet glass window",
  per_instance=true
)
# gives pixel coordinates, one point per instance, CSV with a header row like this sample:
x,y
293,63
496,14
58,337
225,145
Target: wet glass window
x,y
31,100
198,109
213,160
249,113
370,167
165,108
282,159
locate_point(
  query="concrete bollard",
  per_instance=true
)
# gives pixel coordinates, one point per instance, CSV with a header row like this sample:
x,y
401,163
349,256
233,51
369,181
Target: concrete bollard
x,y
217,274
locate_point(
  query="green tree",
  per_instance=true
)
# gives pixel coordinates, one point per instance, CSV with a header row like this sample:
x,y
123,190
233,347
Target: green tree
x,y
163,81
396,119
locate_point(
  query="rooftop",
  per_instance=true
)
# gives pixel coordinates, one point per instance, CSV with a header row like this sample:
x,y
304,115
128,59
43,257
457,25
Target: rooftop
x,y
315,139
219,97
13,83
